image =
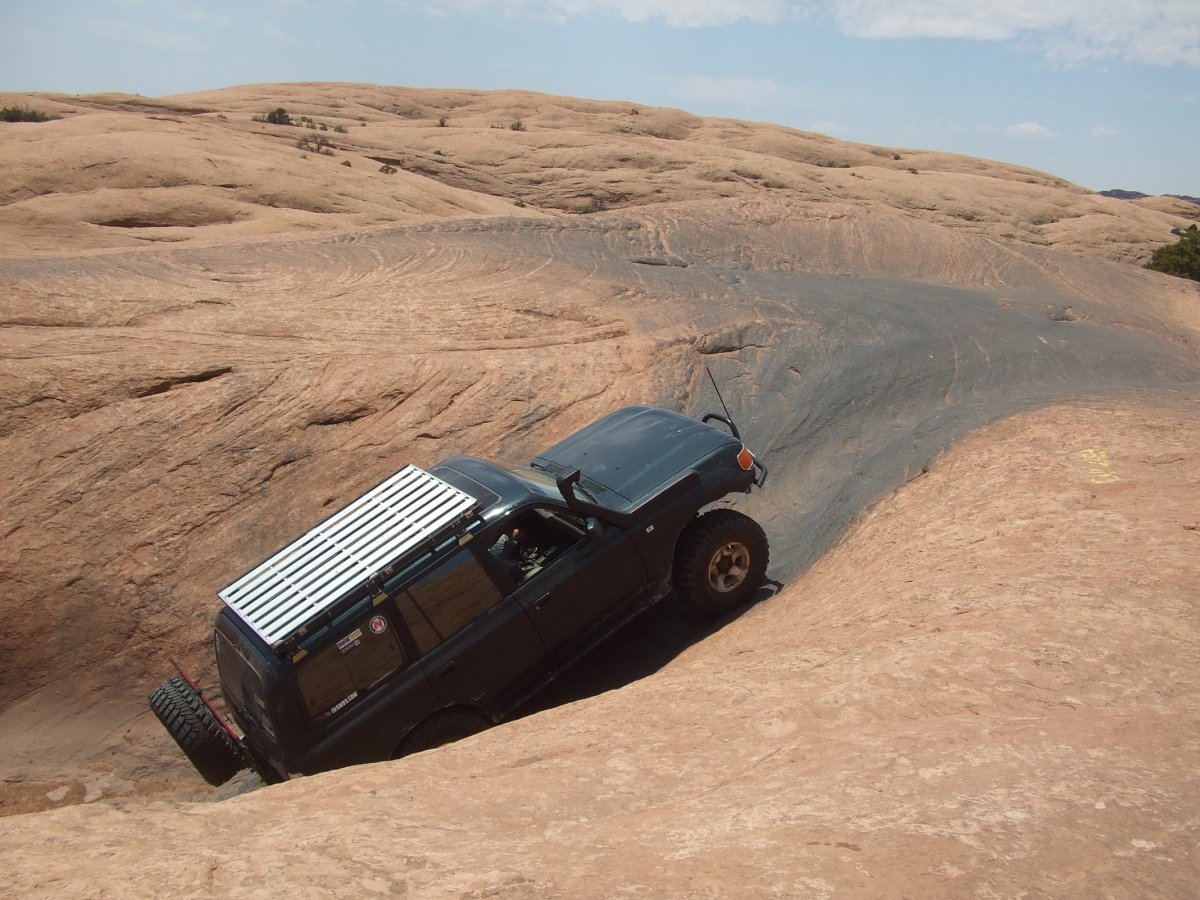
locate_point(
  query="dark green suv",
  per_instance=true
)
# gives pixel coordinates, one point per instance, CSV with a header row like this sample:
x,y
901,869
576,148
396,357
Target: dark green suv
x,y
438,602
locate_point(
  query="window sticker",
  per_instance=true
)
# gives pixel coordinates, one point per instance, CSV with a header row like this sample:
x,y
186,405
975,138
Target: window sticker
x,y
350,641
378,625
343,703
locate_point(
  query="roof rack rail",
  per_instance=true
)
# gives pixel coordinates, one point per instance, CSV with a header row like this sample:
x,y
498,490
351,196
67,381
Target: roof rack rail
x,y
282,596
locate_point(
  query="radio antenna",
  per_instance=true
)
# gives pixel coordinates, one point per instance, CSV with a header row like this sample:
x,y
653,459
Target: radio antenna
x,y
718,390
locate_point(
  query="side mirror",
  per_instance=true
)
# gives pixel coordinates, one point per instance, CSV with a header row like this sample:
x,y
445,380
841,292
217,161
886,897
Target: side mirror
x,y
595,530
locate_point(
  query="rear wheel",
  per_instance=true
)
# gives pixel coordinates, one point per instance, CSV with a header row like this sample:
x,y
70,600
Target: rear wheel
x,y
444,728
720,561
196,730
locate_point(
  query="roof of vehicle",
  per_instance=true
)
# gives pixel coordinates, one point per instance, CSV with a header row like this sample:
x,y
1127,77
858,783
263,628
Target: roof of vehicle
x,y
633,452
499,489
285,593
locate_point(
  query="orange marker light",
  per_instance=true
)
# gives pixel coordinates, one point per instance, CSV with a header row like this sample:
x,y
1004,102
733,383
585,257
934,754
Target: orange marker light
x,y
745,459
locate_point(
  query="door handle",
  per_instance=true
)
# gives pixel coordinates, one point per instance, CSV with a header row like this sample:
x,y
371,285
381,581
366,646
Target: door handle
x,y
541,601
446,669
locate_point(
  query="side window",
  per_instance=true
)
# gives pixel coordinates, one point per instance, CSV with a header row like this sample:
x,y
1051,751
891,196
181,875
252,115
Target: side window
x,y
448,597
347,667
535,538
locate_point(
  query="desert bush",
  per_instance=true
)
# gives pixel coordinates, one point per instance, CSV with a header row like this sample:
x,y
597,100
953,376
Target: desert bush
x,y
346,163
388,170
442,121
595,205
278,116
518,125
1182,258
1043,218
315,144
341,129
24,114
519,203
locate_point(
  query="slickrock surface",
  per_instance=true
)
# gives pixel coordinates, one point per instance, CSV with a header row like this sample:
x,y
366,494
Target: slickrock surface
x,y
976,674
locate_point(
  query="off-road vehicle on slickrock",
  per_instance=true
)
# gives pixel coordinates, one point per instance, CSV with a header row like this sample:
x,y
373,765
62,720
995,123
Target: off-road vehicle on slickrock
x,y
436,603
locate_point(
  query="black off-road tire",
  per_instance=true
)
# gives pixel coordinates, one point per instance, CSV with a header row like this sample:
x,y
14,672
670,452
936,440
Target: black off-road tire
x,y
196,730
720,561
445,727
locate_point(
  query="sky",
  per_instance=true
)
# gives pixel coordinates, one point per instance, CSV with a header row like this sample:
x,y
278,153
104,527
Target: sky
x,y
1105,93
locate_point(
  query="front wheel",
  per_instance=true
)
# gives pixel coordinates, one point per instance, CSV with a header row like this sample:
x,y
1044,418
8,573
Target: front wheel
x,y
720,561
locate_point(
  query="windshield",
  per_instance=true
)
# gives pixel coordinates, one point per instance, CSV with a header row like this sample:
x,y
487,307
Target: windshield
x,y
589,488
532,473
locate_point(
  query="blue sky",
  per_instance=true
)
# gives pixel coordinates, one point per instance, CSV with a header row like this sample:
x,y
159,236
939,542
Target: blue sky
x,y
1105,93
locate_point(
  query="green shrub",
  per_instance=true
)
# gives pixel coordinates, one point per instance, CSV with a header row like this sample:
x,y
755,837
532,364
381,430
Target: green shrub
x,y
442,121
346,163
388,170
1182,258
278,116
520,204
518,125
23,114
315,144
341,129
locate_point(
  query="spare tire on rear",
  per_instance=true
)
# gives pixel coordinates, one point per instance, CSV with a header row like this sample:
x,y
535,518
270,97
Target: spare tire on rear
x,y
198,732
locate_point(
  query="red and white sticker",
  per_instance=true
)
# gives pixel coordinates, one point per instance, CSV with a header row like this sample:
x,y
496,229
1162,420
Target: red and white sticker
x,y
378,625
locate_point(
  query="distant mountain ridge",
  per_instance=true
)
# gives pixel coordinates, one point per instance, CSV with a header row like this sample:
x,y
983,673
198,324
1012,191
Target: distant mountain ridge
x,y
1138,195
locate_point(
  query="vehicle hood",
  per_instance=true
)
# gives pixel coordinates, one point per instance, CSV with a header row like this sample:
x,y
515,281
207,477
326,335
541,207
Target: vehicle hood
x,y
633,452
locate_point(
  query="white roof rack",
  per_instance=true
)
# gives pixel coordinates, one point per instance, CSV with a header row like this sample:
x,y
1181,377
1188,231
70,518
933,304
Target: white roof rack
x,y
311,574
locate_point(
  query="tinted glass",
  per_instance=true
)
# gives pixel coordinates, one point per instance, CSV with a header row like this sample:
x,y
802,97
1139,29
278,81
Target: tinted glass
x,y
454,593
240,681
418,625
346,668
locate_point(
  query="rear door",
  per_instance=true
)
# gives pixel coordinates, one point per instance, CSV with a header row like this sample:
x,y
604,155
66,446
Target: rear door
x,y
478,647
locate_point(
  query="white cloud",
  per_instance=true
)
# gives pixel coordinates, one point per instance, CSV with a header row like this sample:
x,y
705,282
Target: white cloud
x,y
142,35
1104,131
1155,32
837,129
204,17
756,91
678,13
1029,130
278,34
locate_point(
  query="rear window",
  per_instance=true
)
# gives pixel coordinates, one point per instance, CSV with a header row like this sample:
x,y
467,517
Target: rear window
x,y
241,681
349,666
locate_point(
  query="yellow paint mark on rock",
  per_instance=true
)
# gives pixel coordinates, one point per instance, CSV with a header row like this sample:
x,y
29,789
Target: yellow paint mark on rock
x,y
1099,467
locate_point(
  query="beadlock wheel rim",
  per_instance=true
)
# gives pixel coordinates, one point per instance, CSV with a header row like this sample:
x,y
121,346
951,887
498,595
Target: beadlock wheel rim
x,y
729,567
